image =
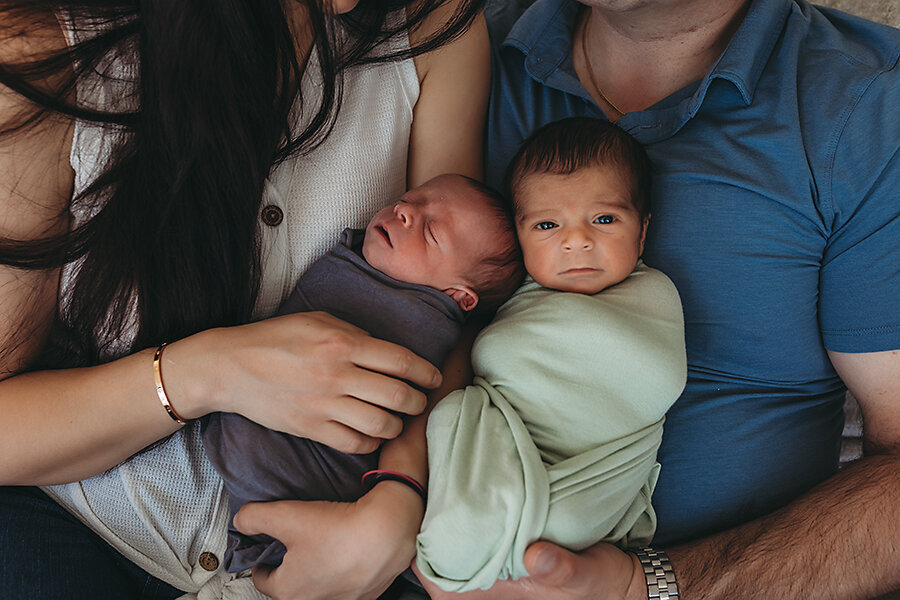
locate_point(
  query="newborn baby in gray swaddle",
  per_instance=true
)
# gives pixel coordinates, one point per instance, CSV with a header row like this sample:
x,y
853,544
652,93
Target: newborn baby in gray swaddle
x,y
422,264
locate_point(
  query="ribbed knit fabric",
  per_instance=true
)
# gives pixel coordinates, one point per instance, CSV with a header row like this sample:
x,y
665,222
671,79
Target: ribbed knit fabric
x,y
357,171
165,507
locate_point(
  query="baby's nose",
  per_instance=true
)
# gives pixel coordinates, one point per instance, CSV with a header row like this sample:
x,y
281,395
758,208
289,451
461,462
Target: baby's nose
x,y
403,214
577,239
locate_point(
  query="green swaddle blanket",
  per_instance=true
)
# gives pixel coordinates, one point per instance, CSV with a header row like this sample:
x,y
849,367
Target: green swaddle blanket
x,y
557,437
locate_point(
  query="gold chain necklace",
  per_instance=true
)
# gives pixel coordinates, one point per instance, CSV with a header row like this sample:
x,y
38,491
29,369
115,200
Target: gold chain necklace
x,y
590,69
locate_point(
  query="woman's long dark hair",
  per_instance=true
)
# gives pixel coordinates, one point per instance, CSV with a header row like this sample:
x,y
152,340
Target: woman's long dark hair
x,y
177,229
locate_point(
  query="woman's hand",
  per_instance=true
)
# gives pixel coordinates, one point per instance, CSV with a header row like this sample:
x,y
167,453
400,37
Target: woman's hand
x,y
602,572
308,374
336,550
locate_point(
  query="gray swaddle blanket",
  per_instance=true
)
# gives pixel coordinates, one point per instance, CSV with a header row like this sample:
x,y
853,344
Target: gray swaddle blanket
x,y
259,464
557,437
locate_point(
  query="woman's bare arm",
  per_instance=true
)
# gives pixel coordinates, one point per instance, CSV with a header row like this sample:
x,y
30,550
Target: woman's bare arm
x,y
449,116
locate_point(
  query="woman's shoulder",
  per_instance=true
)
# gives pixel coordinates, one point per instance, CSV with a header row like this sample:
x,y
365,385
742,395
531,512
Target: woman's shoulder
x,y
472,42
27,41
28,36
448,122
35,187
34,147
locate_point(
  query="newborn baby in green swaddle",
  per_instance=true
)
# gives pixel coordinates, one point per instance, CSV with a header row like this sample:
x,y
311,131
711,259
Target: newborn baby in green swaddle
x,y
557,437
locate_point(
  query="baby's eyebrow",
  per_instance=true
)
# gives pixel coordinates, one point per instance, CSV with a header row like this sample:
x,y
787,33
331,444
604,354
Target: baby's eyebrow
x,y
538,214
625,203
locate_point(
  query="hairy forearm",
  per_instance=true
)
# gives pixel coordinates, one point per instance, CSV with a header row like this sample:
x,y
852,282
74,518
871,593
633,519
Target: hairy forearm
x,y
839,541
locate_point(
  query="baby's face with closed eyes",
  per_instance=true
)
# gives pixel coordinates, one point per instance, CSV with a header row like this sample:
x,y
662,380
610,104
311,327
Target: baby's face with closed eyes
x,y
435,235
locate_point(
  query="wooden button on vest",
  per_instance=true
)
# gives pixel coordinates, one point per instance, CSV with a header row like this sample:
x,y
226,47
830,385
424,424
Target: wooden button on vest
x,y
272,215
209,561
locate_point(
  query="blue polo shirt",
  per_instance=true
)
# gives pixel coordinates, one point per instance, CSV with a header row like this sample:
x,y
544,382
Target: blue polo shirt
x,y
776,212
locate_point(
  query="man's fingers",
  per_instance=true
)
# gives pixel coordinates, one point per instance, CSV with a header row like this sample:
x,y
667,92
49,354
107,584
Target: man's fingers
x,y
255,518
396,361
550,565
263,579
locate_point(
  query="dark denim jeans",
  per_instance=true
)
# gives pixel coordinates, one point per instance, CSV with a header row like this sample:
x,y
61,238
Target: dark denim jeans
x,y
47,554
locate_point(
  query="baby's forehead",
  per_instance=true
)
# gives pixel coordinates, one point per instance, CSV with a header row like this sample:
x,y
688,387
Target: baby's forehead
x,y
468,203
544,187
495,224
613,173
468,197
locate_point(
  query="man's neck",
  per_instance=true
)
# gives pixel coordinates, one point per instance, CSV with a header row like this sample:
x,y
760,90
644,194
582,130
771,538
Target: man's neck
x,y
641,54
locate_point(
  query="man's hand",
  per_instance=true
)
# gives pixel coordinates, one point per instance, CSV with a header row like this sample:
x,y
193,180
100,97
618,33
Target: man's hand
x,y
336,550
602,572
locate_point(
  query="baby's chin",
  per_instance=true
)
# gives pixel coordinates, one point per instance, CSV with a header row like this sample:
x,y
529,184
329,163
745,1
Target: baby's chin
x,y
371,253
588,288
367,248
376,260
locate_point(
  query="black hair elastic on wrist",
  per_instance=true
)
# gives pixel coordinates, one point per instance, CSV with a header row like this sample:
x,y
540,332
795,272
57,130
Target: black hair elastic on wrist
x,y
372,478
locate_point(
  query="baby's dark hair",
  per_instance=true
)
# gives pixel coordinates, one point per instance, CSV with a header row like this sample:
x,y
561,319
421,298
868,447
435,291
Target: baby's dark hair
x,y
565,146
501,269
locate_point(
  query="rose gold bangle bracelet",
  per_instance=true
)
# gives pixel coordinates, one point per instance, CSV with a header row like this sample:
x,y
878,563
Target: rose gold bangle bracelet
x,y
160,390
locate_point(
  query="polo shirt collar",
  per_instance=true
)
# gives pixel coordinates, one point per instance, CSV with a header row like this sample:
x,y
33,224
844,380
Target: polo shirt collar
x,y
544,32
750,49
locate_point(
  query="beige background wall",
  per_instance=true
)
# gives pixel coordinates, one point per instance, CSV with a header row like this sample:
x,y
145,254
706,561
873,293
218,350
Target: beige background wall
x,y
884,11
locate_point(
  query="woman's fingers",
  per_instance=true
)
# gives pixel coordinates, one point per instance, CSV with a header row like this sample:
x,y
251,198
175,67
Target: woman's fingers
x,y
346,439
396,361
358,347
314,376
256,518
383,391
371,421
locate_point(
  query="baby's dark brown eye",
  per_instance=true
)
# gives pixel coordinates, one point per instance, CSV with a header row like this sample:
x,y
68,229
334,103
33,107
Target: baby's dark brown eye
x,y
545,225
605,219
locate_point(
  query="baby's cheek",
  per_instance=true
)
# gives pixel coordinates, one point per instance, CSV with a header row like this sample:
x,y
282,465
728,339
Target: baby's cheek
x,y
380,260
539,270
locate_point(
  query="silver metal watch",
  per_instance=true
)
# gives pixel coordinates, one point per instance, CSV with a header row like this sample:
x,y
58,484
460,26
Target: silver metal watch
x,y
658,573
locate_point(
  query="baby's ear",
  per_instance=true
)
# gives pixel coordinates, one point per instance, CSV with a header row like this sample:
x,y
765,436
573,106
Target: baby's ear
x,y
464,296
644,234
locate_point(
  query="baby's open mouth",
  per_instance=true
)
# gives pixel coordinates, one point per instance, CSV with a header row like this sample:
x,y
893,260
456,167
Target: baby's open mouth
x,y
387,238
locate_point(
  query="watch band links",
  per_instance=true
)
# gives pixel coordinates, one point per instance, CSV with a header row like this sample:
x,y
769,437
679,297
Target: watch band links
x,y
658,573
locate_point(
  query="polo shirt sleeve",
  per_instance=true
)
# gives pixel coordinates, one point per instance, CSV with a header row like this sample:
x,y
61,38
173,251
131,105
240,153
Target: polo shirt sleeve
x,y
859,303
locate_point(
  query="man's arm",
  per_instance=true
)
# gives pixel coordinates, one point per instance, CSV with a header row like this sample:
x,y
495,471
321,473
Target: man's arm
x,y
839,540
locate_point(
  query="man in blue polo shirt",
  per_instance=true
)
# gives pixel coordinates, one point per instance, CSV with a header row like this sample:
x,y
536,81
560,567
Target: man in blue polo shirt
x,y
774,129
